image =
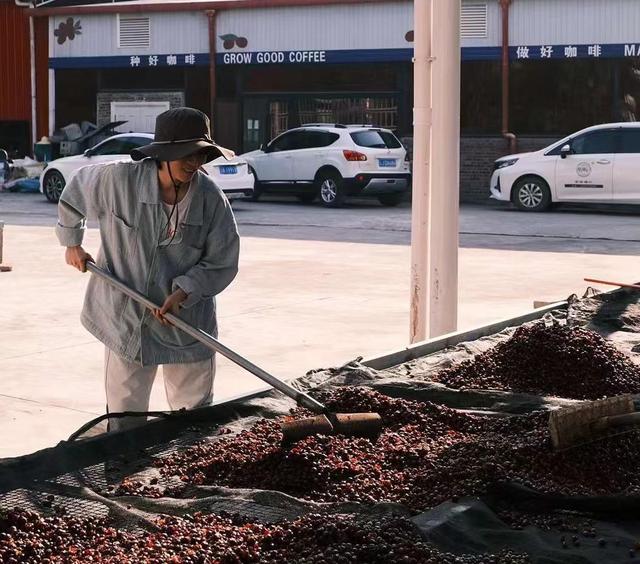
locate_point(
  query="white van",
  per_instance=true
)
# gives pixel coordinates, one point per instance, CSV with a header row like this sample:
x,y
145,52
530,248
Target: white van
x,y
599,164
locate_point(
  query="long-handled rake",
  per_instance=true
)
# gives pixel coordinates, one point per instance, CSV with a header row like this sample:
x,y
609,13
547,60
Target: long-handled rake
x,y
325,422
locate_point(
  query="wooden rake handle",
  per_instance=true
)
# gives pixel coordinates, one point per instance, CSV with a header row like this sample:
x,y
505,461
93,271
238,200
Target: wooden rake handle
x,y
609,283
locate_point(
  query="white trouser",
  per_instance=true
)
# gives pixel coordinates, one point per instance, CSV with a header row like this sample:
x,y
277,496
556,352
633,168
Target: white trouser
x,y
128,386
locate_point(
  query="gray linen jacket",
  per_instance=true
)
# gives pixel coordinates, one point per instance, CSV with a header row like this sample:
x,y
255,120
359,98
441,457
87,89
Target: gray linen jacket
x,y
125,199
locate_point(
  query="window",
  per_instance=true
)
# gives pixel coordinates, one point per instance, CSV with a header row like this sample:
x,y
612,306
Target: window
x,y
316,139
279,143
628,89
278,117
480,95
110,147
297,140
557,149
381,112
473,20
140,142
629,140
375,139
120,146
390,140
134,30
594,143
288,142
558,96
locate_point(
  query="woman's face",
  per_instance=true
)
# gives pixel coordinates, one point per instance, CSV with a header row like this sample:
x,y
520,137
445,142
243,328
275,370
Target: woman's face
x,y
183,170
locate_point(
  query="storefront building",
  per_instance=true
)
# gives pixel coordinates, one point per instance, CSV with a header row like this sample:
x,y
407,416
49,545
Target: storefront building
x,y
260,70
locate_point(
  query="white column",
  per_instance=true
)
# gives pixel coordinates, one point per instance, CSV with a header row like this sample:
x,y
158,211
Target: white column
x,y
445,155
418,328
52,101
52,82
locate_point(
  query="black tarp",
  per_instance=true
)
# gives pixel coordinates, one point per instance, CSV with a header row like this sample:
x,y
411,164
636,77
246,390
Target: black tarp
x,y
79,473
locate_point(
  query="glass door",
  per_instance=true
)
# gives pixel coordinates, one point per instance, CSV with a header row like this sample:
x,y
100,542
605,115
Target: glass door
x,y
254,132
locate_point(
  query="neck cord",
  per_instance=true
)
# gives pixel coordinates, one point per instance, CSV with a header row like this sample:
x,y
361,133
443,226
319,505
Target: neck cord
x,y
174,208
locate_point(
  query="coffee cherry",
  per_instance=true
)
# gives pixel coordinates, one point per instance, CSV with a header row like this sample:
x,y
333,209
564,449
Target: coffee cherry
x,y
202,538
559,361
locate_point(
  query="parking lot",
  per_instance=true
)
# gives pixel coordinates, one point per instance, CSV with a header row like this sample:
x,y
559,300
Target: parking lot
x,y
317,287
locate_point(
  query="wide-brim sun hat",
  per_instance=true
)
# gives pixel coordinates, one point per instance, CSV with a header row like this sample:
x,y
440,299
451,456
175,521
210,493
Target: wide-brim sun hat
x,y
181,132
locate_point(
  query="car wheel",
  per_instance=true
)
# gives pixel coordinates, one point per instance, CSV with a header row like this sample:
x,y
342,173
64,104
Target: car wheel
x,y
390,200
306,198
331,189
532,194
52,185
257,188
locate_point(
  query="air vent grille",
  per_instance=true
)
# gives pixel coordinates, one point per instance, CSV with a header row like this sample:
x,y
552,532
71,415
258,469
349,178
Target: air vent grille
x,y
134,31
473,20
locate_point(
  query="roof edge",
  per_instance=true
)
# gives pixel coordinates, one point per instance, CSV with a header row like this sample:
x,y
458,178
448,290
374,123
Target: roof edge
x,y
142,7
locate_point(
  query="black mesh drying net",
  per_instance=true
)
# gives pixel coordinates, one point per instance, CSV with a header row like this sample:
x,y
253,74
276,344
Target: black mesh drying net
x,y
514,522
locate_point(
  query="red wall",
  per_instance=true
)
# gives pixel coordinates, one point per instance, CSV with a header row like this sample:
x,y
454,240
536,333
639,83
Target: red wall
x,y
15,79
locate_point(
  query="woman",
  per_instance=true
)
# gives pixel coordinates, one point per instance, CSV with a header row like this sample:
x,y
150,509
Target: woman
x,y
167,231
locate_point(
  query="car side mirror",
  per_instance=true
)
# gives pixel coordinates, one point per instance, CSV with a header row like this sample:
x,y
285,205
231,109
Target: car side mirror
x,y
262,147
88,153
566,150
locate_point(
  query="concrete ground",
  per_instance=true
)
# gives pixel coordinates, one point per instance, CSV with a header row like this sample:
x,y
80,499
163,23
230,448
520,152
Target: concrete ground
x,y
316,288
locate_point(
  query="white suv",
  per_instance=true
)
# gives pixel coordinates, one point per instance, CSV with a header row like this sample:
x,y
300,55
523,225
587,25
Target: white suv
x,y
333,162
599,164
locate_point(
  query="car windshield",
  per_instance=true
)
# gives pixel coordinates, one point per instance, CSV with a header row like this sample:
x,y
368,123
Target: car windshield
x,y
120,145
376,139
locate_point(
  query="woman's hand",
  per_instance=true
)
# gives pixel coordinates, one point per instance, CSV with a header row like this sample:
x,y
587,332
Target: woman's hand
x,y
171,304
77,257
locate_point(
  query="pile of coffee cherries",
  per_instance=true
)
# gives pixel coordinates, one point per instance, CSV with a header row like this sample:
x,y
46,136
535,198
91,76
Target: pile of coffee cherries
x,y
554,361
28,538
425,455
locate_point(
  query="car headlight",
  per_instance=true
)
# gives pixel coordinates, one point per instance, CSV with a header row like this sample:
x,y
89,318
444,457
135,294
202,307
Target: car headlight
x,y
504,163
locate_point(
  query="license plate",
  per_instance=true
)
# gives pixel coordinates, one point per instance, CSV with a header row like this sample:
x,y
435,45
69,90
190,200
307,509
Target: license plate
x,y
388,163
228,169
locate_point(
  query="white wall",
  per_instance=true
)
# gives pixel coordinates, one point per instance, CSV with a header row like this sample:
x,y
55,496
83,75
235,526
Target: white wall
x,y
538,22
351,26
337,27
183,32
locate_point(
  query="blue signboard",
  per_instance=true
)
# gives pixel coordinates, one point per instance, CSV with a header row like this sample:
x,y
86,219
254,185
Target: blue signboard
x,y
131,61
572,51
313,57
323,57
518,52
